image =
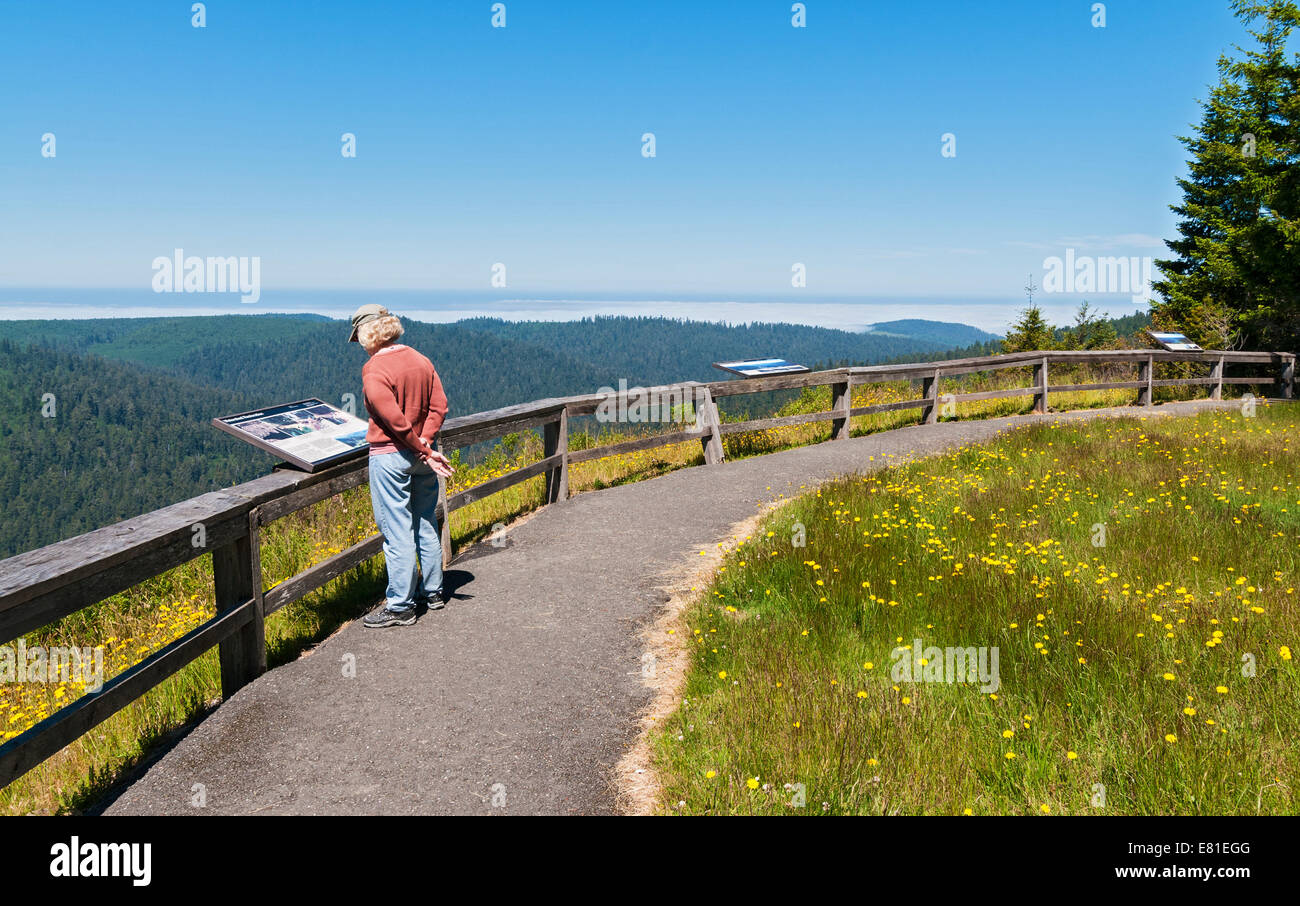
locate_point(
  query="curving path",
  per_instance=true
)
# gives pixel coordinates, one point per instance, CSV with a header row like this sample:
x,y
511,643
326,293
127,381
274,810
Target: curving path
x,y
530,678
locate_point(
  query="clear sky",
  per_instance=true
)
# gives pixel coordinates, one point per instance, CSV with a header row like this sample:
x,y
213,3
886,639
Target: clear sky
x,y
522,144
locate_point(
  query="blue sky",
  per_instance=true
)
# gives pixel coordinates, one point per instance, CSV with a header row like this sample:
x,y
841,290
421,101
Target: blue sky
x,y
522,145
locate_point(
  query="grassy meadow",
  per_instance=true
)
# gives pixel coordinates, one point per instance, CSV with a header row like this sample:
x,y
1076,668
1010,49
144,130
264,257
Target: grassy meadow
x,y
1144,667
141,620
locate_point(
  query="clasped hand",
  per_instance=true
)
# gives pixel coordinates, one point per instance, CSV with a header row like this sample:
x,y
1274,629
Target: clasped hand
x,y
437,462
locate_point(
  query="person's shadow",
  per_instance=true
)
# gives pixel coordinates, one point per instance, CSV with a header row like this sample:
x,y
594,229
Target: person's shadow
x,y
453,581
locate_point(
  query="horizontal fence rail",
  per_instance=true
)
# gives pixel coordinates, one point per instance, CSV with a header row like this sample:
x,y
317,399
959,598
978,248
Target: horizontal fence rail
x,y
45,585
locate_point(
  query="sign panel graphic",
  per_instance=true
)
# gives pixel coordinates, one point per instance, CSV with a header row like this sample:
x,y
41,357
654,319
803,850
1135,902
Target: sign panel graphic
x,y
761,367
1174,342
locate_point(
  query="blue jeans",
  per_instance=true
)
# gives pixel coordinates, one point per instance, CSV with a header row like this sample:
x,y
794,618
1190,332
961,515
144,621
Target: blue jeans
x,y
404,493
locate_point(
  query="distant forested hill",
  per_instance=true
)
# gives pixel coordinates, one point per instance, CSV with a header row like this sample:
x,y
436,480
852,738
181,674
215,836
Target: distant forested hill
x,y
942,333
484,362
280,357
663,350
478,371
134,396
160,342
120,441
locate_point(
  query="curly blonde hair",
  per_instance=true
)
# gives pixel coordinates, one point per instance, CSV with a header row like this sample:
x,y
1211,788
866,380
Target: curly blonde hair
x,y
380,332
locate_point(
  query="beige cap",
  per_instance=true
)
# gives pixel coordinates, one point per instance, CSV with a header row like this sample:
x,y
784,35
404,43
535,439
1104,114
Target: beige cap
x,y
362,315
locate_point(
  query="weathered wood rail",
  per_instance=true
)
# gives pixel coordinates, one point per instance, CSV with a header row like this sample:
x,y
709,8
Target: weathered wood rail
x,y
42,586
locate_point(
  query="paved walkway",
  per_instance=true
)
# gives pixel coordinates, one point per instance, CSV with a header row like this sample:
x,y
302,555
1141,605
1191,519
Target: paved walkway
x,y
530,678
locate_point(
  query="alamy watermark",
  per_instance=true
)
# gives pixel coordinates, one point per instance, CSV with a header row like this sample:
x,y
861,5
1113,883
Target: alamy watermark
x,y
1085,274
642,405
23,663
75,859
916,664
183,273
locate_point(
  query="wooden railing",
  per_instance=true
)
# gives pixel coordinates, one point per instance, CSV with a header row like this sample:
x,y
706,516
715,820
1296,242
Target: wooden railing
x,y
42,586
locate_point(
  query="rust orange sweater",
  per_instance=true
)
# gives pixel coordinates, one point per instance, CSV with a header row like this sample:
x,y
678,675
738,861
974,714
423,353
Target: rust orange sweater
x,y
404,398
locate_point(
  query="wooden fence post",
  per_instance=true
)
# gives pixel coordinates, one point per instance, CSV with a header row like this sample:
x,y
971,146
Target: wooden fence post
x,y
1040,381
555,440
257,655
444,528
1286,380
236,573
1216,372
930,393
707,409
842,402
1145,375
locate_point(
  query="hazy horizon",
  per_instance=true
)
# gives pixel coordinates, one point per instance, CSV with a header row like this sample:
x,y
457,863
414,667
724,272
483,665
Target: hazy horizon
x,y
991,314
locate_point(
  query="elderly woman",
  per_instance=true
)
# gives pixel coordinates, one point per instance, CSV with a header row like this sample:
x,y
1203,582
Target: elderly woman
x,y
407,406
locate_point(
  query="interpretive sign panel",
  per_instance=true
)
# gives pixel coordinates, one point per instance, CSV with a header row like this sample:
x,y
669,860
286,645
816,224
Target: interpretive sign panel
x,y
761,367
309,433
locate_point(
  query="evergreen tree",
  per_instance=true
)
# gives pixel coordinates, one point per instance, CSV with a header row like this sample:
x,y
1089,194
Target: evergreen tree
x,y
1090,331
1235,275
1031,332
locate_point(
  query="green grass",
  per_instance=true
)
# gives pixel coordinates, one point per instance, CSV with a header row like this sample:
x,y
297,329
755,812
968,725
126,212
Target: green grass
x,y
992,546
